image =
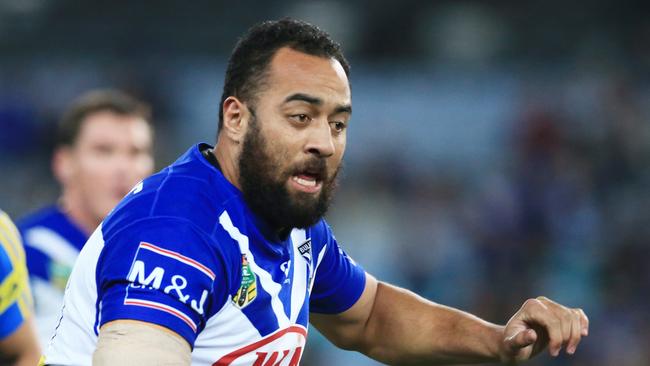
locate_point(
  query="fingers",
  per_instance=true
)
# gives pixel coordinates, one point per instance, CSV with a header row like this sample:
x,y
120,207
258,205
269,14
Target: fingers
x,y
537,311
576,332
565,326
584,321
521,339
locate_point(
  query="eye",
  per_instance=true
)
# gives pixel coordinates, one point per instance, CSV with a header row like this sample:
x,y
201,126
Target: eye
x,y
103,149
138,151
300,118
338,126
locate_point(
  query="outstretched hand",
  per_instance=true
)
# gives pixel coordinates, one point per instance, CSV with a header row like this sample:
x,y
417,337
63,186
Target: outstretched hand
x,y
539,323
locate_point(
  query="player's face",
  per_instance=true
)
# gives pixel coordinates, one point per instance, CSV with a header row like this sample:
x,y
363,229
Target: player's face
x,y
295,141
112,153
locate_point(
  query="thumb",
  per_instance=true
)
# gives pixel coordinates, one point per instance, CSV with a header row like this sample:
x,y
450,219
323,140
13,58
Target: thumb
x,y
521,339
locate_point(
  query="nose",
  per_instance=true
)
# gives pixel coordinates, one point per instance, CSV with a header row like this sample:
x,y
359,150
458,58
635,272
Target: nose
x,y
320,141
123,165
119,167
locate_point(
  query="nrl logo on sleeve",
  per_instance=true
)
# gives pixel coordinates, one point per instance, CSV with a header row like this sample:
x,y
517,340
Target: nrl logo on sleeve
x,y
248,288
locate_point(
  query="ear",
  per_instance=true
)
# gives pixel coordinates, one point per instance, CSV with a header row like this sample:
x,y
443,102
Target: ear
x,y
235,119
62,165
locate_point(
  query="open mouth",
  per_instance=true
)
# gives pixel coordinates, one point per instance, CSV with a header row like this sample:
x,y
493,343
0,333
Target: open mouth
x,y
307,182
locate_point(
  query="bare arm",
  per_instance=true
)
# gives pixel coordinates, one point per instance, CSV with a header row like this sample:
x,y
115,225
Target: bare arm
x,y
136,343
21,347
395,326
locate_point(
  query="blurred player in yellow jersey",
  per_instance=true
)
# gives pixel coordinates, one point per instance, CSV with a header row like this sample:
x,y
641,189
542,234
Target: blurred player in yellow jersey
x,y
18,344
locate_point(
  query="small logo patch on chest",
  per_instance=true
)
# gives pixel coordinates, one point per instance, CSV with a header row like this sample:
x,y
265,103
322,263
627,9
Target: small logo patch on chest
x,y
305,249
248,289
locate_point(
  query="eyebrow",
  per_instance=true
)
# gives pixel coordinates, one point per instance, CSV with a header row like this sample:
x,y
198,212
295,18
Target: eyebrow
x,y
303,98
316,101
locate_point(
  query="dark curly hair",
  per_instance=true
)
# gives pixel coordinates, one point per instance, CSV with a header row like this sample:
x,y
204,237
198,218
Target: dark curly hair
x,y
248,63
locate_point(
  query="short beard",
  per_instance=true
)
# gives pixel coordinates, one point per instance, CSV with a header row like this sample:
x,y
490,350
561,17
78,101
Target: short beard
x,y
264,185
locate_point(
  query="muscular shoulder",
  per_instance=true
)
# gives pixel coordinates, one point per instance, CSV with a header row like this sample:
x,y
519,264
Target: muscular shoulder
x,y
181,195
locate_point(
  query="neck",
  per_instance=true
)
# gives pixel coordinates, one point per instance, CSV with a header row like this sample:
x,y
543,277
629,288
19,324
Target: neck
x,y
269,231
74,209
228,162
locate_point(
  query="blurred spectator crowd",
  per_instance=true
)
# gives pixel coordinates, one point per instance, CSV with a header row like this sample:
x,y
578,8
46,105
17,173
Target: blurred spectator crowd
x,y
563,214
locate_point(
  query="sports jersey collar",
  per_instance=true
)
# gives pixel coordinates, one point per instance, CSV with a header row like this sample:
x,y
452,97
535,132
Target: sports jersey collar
x,y
196,154
260,224
54,217
71,227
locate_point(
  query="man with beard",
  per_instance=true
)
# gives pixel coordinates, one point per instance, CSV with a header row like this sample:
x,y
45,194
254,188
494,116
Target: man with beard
x,y
223,258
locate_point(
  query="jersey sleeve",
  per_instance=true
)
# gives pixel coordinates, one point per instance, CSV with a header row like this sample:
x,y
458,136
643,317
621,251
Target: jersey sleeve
x,y
15,296
162,271
339,280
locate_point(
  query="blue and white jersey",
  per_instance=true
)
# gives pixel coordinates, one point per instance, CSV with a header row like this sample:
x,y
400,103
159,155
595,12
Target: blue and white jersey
x,y
183,251
52,243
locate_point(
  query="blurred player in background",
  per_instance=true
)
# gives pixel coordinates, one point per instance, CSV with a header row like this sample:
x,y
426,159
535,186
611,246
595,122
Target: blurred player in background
x,y
103,148
224,257
18,344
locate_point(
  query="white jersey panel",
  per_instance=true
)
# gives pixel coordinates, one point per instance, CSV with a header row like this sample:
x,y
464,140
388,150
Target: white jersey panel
x,y
75,339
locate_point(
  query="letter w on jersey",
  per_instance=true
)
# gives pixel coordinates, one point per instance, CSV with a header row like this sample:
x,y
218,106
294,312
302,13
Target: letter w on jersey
x,y
159,276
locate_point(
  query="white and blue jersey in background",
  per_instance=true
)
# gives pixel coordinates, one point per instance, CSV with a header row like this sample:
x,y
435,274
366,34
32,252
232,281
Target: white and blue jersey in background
x,y
183,251
52,243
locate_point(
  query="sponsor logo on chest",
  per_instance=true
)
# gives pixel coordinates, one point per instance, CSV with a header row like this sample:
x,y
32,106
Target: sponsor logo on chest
x,y
282,348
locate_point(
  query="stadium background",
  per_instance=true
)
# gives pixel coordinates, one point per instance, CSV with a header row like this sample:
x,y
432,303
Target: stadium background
x,y
497,151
